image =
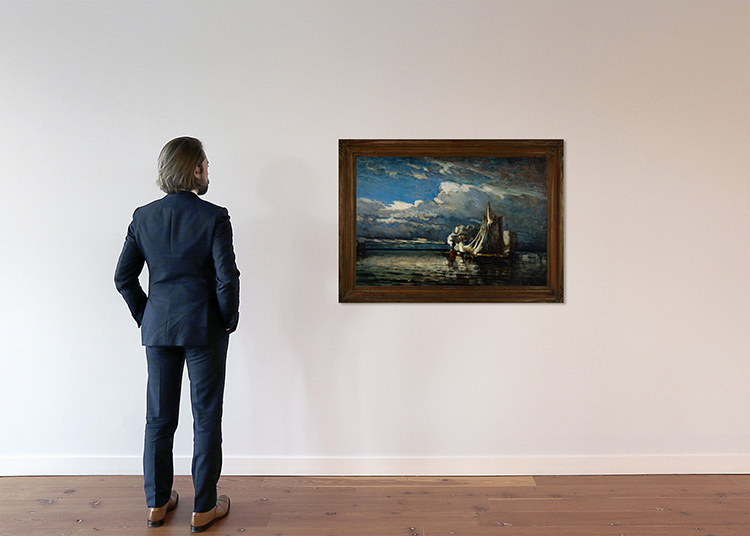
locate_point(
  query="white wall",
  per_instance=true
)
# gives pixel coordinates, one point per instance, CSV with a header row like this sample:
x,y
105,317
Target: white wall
x,y
645,366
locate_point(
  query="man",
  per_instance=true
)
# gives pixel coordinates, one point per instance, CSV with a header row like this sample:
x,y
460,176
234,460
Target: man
x,y
191,308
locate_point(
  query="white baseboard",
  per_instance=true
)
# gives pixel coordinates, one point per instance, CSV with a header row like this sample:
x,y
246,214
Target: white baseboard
x,y
382,466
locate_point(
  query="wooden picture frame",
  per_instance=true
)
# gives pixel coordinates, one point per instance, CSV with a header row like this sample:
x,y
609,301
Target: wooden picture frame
x,y
497,206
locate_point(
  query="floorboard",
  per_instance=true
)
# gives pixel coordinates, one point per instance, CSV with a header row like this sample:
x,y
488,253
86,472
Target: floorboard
x,y
617,505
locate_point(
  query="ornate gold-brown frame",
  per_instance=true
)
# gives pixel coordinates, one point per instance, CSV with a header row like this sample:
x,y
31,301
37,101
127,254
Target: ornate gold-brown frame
x,y
349,150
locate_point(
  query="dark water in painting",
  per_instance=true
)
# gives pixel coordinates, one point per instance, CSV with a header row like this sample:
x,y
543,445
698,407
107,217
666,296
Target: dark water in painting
x,y
432,267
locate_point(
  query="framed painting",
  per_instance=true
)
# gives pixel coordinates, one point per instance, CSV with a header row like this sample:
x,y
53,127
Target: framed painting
x,y
450,221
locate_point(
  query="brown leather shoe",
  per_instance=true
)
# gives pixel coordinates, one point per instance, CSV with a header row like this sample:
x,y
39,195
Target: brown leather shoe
x,y
156,516
203,520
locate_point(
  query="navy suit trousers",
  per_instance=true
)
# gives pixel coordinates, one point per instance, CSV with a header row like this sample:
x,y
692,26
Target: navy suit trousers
x,y
207,372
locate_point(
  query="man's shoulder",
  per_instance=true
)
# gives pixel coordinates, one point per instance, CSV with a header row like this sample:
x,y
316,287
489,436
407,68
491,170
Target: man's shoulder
x,y
207,209
209,205
148,208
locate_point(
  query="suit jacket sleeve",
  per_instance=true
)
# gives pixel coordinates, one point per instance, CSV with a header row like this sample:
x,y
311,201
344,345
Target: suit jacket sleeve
x,y
129,267
227,274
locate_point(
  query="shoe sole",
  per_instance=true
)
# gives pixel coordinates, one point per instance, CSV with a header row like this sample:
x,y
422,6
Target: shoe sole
x,y
207,526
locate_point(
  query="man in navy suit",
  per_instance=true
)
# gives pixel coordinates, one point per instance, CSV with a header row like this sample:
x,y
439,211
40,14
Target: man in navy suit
x,y
191,308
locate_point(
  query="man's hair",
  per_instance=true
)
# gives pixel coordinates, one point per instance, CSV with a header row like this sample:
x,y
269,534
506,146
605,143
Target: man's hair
x,y
177,162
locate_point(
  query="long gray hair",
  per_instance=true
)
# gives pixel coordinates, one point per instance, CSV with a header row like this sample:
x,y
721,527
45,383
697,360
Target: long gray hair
x,y
177,162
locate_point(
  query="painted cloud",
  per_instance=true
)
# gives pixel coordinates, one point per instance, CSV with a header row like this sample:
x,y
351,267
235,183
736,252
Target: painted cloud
x,y
421,198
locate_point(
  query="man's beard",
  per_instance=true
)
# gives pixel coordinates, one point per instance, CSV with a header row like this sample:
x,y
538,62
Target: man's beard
x,y
203,188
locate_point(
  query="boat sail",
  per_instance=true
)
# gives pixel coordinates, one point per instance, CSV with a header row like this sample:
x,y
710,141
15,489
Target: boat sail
x,y
490,240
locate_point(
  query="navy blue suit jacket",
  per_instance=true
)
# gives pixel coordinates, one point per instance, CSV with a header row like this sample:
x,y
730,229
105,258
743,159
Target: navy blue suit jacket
x,y
194,284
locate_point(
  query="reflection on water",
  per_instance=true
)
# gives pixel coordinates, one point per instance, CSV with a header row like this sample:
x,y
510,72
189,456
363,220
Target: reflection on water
x,y
428,267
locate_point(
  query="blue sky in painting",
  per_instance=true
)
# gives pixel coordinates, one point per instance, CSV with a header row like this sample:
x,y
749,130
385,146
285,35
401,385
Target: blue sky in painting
x,y
425,198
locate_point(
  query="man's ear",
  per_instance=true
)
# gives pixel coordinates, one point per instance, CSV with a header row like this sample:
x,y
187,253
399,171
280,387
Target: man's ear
x,y
197,172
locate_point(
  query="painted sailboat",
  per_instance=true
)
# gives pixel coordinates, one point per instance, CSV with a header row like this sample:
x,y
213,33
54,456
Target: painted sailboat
x,y
488,240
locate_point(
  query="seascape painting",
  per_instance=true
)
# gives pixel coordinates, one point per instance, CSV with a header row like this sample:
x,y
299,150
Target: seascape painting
x,y
451,221
465,221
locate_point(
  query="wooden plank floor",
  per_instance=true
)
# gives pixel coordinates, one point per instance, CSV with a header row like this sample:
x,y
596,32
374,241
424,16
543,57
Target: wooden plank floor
x,y
649,505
